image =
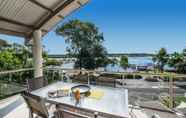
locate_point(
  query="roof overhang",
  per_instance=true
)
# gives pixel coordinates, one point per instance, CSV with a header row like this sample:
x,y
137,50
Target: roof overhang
x,y
23,17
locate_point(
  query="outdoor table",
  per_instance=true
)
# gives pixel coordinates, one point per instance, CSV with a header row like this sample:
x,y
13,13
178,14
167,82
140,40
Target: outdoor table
x,y
114,100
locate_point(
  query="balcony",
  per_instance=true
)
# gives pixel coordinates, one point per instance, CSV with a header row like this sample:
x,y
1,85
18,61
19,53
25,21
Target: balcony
x,y
113,103
112,98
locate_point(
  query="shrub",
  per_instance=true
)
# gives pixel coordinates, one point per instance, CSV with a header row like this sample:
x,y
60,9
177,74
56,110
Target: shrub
x,y
53,63
151,79
129,76
115,76
138,77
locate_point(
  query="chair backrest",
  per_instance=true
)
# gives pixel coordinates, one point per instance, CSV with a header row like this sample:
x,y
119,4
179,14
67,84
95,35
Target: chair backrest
x,y
36,83
36,104
69,114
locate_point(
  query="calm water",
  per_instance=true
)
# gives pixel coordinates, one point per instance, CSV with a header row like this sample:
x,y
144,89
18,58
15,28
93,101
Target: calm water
x,y
138,61
116,68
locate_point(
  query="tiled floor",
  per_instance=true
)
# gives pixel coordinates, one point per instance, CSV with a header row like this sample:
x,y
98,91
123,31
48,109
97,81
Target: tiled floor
x,y
14,107
20,112
17,108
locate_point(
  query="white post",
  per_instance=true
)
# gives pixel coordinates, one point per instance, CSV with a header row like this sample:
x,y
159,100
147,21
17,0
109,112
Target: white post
x,y
88,79
37,54
126,100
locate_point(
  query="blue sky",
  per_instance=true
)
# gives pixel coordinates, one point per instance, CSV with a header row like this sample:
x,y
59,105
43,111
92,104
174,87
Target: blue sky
x,y
129,26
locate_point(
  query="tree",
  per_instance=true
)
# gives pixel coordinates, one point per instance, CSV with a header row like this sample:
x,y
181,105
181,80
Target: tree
x,y
161,58
178,61
85,43
124,62
184,52
181,67
113,61
3,44
15,56
8,60
175,59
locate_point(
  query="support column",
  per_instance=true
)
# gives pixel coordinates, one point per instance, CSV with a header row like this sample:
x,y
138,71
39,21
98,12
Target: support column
x,y
37,54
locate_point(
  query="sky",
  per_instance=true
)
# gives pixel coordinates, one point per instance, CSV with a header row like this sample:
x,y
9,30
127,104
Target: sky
x,y
129,26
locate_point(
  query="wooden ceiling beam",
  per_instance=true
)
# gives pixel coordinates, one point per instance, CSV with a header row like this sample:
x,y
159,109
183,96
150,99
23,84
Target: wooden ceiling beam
x,y
55,12
13,33
41,5
16,22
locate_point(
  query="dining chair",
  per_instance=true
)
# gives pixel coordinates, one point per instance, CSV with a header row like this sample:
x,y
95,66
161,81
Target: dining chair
x,y
36,83
69,114
36,106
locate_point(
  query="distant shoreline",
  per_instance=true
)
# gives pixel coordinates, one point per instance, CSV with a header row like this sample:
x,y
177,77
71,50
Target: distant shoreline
x,y
110,55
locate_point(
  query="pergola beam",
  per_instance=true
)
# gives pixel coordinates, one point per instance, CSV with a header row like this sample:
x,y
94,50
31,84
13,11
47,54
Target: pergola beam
x,y
10,32
44,20
41,5
16,22
62,17
80,4
61,7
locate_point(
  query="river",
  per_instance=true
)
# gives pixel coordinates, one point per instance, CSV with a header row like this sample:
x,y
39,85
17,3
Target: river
x,y
139,61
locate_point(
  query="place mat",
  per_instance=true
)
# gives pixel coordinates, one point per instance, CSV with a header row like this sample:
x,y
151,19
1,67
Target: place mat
x,y
65,88
96,94
63,92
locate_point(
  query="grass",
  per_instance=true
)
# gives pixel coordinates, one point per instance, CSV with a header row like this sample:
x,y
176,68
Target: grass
x,y
180,99
177,100
137,75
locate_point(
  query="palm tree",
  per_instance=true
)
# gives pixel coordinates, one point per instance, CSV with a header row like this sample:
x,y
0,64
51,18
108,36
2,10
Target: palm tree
x,y
175,59
178,61
184,52
161,58
124,62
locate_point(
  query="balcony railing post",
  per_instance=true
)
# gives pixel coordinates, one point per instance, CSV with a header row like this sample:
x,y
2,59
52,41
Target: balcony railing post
x,y
9,77
123,77
61,73
95,114
88,79
171,91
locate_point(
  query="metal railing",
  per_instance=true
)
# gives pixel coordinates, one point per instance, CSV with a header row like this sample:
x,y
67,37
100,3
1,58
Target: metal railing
x,y
18,79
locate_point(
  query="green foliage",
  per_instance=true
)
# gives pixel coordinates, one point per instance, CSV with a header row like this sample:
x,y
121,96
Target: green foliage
x,y
52,62
124,62
166,101
179,99
161,58
85,43
15,56
113,61
8,60
175,59
181,66
178,61
184,52
3,44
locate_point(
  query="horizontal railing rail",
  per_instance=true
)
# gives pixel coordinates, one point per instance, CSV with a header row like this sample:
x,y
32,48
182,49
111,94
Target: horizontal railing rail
x,y
16,71
85,70
111,72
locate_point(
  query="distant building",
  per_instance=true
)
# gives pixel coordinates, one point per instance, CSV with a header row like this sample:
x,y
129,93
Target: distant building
x,y
142,68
